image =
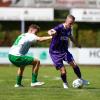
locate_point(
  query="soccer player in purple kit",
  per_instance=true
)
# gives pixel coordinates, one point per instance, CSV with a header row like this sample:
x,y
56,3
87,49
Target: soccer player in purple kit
x,y
59,49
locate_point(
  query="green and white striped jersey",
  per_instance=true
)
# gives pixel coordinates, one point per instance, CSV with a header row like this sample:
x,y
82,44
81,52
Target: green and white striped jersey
x,y
22,44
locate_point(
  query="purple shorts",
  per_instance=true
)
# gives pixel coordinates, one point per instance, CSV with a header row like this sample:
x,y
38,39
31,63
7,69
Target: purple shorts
x,y
59,57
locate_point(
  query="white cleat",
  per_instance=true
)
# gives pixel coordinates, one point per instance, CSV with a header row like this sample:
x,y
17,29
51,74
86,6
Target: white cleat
x,y
65,86
17,85
37,84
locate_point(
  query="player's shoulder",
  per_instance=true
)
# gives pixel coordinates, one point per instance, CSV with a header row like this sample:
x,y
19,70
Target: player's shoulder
x,y
60,25
23,34
31,37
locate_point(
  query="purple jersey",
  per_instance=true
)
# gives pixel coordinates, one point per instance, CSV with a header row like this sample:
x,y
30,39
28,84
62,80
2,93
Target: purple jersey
x,y
60,40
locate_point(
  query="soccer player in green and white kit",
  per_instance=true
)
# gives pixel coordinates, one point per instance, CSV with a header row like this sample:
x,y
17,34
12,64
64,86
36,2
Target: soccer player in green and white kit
x,y
17,54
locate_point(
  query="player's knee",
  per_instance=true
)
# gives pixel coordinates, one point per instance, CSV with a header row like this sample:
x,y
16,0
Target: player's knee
x,y
37,61
73,64
63,70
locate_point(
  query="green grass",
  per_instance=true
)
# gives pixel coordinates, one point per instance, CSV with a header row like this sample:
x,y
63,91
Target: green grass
x,y
52,90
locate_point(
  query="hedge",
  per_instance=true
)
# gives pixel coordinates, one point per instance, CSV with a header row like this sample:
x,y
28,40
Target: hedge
x,y
87,34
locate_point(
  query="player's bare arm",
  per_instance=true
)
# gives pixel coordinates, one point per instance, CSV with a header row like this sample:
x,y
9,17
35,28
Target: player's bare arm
x,y
51,32
44,38
74,41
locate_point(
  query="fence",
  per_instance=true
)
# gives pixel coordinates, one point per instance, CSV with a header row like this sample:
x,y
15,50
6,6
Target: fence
x,y
84,56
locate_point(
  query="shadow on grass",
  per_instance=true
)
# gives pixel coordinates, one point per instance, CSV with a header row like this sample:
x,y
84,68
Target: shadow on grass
x,y
94,88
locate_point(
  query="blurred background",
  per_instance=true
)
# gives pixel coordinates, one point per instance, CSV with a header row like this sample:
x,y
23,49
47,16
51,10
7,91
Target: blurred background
x,y
17,15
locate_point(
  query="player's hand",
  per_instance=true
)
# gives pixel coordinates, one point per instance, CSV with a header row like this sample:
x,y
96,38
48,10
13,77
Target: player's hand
x,y
51,32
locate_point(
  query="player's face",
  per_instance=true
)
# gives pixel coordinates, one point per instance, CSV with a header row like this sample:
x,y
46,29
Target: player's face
x,y
36,31
69,22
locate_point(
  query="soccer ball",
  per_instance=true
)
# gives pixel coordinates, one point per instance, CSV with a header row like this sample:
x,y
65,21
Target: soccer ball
x,y
78,83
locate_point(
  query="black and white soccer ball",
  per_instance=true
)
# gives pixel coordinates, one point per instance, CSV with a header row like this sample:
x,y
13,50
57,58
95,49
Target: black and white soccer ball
x,y
77,83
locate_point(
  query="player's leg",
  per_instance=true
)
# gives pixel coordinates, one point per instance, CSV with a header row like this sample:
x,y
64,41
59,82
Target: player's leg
x,y
58,63
75,67
70,60
35,69
17,61
28,60
78,72
19,77
63,77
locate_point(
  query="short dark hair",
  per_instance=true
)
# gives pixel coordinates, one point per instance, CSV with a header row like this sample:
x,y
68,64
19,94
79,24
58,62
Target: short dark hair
x,y
71,16
35,27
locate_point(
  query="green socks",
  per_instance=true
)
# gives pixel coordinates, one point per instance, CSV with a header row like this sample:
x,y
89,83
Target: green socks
x,y
18,80
34,77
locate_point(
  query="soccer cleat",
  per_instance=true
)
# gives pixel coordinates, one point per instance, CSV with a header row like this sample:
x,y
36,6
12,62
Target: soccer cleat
x,y
85,82
37,84
17,85
65,86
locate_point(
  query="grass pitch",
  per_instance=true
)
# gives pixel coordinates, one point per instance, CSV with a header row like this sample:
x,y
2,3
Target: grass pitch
x,y
52,90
